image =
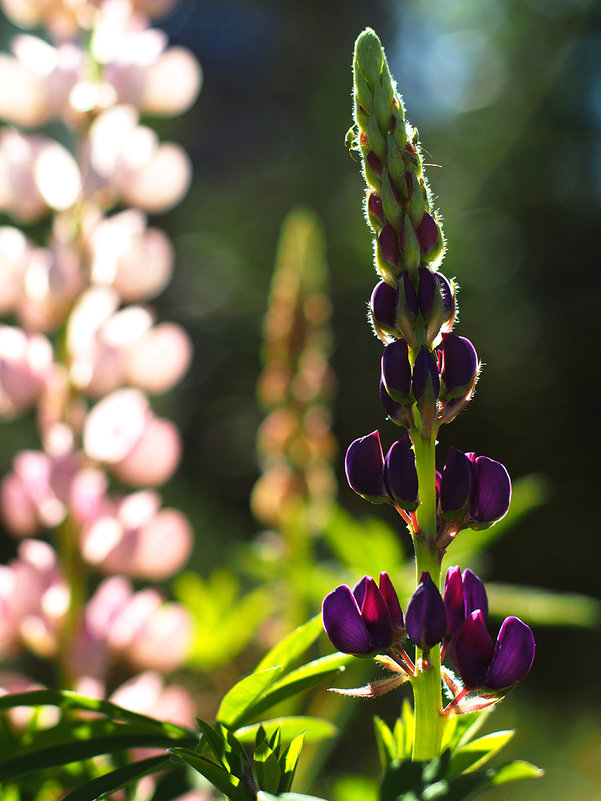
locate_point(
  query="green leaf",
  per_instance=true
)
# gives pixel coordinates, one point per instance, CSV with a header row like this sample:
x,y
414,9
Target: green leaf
x,y
39,756
315,729
289,761
476,753
117,779
267,768
227,784
299,680
235,704
262,796
385,742
513,771
293,645
403,731
68,701
544,607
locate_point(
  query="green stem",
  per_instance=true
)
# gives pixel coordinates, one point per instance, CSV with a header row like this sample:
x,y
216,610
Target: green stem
x,y
427,691
68,548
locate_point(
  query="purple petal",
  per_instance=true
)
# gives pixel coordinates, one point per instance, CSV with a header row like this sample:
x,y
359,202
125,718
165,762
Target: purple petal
x,y
426,619
459,365
383,304
453,600
426,381
492,491
400,475
396,411
448,299
456,482
426,288
513,656
375,208
396,371
389,244
343,623
428,233
376,616
392,601
472,650
474,593
364,466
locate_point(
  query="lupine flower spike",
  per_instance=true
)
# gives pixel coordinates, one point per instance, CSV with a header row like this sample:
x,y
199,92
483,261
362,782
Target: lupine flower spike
x,y
428,375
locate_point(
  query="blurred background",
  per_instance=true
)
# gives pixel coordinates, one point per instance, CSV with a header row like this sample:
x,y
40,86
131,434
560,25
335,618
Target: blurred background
x,y
507,98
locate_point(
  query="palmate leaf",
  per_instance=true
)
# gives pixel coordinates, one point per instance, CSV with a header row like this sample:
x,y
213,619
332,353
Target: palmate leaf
x,y
227,784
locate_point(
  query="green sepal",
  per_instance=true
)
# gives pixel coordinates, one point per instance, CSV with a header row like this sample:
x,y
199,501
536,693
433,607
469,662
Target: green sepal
x,y
417,203
383,97
411,254
376,140
396,163
392,208
363,99
369,57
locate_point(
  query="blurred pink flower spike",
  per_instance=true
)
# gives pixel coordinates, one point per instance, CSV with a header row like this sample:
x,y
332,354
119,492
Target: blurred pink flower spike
x,y
25,369
122,432
21,717
139,539
137,261
34,600
36,175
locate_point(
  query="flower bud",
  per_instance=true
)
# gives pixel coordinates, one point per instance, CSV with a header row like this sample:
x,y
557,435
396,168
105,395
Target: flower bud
x,y
396,371
426,386
375,210
365,620
364,466
460,366
436,303
462,596
456,485
493,666
388,252
492,494
400,475
394,411
430,239
426,619
383,307
407,308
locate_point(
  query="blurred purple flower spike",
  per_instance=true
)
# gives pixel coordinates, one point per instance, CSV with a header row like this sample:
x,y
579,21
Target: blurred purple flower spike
x,y
492,666
364,466
426,618
365,620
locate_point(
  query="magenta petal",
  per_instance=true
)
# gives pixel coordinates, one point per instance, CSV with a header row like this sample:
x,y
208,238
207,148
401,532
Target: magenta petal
x,y
365,468
453,600
392,601
472,650
513,656
492,494
343,623
376,616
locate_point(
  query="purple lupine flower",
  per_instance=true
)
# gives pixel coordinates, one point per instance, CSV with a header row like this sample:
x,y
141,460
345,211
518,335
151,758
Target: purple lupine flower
x,y
456,484
475,491
426,618
426,381
400,475
389,245
492,492
395,411
383,306
494,666
449,305
462,595
364,620
459,366
396,371
428,235
364,466
407,308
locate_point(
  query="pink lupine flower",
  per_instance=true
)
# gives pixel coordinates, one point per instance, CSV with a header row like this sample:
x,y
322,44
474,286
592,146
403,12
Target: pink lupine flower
x,y
25,369
15,250
138,539
33,496
125,160
35,598
122,433
36,175
137,261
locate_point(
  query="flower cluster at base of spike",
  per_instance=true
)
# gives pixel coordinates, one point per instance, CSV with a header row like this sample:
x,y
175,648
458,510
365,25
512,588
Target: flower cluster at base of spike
x,y
367,621
472,491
